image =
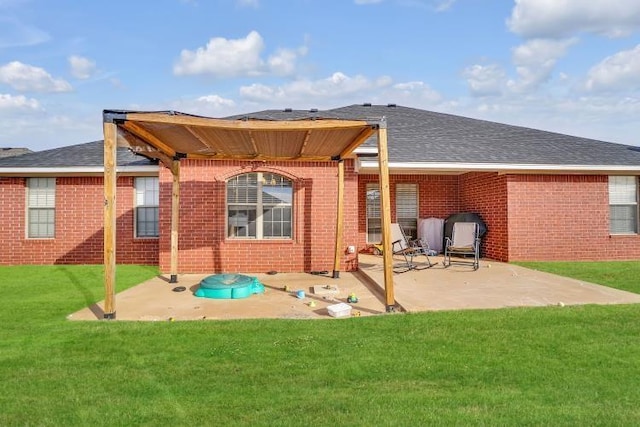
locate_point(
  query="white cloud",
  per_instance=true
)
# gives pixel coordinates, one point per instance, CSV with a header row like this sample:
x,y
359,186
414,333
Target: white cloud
x,y
410,92
211,105
217,101
485,80
224,57
560,18
283,63
337,86
81,67
19,102
237,57
360,2
617,72
535,61
28,78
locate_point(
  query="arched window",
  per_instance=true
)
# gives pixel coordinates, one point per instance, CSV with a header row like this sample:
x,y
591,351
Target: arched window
x,y
259,206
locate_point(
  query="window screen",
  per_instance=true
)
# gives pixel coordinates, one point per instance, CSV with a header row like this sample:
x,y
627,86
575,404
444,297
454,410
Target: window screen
x,y
623,204
41,202
407,208
374,222
147,206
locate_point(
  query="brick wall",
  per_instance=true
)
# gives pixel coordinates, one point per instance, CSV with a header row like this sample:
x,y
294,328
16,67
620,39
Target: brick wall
x,y
203,245
529,217
486,194
78,225
563,217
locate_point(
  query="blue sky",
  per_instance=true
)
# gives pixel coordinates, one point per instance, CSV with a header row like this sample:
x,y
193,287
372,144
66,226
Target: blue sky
x,y
570,66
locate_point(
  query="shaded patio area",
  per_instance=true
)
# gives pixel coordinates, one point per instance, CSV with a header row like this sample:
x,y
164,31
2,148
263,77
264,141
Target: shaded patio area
x,y
494,285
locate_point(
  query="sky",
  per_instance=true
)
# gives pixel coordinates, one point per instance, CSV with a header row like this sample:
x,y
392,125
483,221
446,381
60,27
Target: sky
x,y
568,66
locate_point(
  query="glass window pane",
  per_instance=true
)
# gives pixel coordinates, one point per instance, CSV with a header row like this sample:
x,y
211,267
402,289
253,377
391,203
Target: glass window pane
x,y
407,208
147,222
622,190
241,221
623,204
147,206
267,193
374,232
41,223
623,219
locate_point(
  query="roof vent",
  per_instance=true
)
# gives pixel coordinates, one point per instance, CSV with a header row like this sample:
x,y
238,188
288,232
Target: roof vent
x,y
391,105
366,104
313,110
288,110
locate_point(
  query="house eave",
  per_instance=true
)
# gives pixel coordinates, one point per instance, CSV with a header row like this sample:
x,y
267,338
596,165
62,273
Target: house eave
x,y
150,170
370,167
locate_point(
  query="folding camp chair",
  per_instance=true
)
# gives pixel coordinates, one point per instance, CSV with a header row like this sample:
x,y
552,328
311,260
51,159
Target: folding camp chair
x,y
464,241
409,249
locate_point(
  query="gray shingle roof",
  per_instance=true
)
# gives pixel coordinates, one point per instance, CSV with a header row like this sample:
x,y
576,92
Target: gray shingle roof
x,y
424,136
88,154
414,136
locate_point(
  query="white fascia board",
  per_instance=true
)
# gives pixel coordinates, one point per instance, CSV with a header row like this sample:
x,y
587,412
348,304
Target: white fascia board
x,y
371,166
366,150
79,171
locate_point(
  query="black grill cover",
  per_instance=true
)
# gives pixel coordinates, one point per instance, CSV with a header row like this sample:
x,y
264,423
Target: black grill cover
x,y
463,217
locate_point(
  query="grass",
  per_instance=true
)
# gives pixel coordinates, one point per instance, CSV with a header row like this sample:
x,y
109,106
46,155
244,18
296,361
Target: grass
x,y
616,274
528,366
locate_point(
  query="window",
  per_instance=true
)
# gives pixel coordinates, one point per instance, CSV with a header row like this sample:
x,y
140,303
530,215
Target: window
x,y
41,207
623,204
374,221
259,206
407,208
147,207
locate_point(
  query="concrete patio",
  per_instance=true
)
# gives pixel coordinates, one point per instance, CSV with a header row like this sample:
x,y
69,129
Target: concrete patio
x,y
494,285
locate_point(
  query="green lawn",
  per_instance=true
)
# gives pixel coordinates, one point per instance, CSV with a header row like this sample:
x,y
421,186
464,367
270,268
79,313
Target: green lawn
x,y
619,274
529,366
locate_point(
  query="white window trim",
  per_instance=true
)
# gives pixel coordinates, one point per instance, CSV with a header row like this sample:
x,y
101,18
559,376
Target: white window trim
x,y
259,211
28,208
369,187
136,206
624,203
417,204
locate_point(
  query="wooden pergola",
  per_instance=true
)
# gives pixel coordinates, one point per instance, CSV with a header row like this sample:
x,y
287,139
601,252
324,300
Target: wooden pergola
x,y
170,136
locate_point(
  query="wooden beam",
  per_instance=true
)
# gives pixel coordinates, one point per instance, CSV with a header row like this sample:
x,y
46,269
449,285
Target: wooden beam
x,y
148,137
304,143
362,137
260,157
175,219
253,145
110,160
201,140
339,221
385,207
316,123
139,146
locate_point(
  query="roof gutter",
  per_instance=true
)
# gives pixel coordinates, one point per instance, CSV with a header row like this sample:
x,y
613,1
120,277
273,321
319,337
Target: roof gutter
x,y
371,166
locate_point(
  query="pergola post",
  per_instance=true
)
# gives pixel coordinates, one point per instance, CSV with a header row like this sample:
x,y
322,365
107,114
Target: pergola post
x,y
385,207
175,218
110,161
339,221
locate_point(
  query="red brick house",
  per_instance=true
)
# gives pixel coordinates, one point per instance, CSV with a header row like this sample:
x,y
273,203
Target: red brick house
x,y
542,195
